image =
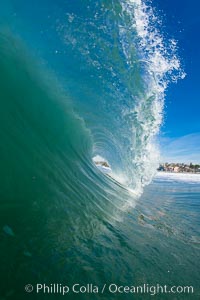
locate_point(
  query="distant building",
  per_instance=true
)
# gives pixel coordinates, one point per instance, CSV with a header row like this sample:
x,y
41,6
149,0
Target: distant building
x,y
179,168
176,169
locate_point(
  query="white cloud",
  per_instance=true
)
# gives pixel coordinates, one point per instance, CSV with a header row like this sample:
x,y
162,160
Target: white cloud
x,y
182,149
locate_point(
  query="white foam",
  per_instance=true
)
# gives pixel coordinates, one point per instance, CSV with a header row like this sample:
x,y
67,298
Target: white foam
x,y
184,177
104,169
98,158
160,64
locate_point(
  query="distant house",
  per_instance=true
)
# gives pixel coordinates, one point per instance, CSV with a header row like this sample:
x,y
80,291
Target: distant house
x,y
176,169
170,169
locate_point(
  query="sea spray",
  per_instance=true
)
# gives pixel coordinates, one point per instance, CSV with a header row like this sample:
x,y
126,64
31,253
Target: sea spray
x,y
159,64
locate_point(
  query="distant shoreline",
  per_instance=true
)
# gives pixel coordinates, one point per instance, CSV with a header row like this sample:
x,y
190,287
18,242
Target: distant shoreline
x,y
179,168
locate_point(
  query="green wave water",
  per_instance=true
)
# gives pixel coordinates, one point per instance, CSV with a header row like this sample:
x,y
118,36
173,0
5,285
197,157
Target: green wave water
x,y
52,196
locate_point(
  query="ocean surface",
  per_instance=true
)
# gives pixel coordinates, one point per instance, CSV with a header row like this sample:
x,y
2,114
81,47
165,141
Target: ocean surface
x,y
79,81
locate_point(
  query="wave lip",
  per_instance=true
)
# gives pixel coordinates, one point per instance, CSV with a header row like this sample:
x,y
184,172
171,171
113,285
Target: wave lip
x,y
158,64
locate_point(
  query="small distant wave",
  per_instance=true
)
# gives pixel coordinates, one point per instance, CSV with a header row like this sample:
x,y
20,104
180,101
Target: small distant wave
x,y
180,177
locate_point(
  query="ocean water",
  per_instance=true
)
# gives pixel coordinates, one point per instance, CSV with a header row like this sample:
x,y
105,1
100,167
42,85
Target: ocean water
x,y
78,80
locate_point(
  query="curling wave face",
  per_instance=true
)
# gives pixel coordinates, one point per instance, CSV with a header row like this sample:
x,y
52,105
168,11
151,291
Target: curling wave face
x,y
126,66
52,195
114,65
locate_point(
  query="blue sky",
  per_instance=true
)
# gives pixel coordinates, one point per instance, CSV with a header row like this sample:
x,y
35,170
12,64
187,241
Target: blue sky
x,y
180,138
